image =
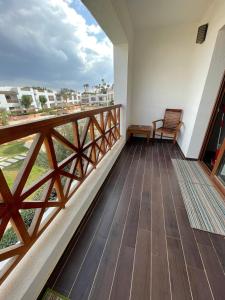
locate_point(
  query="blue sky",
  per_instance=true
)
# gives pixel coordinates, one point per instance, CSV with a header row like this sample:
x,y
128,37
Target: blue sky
x,y
82,10
53,43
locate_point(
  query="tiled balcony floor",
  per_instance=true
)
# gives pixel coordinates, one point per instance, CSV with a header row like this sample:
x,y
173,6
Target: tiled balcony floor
x,y
137,243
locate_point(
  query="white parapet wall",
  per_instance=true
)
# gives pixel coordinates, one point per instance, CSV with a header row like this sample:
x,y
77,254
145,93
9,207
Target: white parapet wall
x,y
29,277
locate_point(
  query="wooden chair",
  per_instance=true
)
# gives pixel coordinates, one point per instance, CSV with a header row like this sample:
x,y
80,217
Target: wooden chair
x,y
171,124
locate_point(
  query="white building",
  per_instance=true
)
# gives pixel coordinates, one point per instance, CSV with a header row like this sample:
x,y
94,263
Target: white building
x,y
10,97
69,99
98,98
35,93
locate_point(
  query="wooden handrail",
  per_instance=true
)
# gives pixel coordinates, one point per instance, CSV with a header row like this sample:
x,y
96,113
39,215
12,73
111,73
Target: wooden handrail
x,y
9,133
101,130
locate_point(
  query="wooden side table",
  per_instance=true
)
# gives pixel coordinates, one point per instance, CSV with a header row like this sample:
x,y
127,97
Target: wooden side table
x,y
140,129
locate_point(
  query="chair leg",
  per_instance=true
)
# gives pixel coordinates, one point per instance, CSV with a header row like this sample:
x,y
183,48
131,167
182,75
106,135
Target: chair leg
x,y
174,140
153,136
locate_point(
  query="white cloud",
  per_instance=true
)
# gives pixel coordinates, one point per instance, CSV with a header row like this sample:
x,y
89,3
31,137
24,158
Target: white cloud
x,y
47,41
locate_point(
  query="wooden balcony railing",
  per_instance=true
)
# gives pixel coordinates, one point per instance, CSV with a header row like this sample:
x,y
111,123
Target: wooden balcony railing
x,y
35,184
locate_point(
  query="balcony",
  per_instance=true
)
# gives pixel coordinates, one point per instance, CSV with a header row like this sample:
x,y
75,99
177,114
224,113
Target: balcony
x,y
111,221
134,240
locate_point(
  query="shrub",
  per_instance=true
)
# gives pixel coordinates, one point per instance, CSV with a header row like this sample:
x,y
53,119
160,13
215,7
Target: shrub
x,y
4,117
26,101
43,101
28,216
10,238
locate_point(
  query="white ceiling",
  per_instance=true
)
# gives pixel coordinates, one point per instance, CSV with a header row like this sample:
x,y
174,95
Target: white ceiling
x,y
152,13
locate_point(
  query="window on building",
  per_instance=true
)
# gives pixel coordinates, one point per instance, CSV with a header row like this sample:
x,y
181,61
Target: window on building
x,y
51,98
25,89
11,99
58,97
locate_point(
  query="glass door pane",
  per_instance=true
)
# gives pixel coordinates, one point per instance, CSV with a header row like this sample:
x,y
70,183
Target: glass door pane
x,y
216,137
220,173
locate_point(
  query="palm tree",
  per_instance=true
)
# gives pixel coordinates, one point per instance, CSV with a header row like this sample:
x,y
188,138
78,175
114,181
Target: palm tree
x,y
86,86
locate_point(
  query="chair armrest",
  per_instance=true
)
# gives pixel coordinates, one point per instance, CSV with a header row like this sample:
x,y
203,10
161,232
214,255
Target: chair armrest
x,y
179,126
158,121
154,123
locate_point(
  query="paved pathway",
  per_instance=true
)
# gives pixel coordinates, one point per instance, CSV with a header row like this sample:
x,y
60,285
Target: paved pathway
x,y
8,161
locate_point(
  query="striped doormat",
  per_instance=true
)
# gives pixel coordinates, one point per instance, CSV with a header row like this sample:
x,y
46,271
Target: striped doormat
x,y
205,206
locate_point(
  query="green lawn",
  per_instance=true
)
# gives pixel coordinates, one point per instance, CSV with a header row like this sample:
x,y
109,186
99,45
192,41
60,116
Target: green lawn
x,y
11,172
12,149
15,148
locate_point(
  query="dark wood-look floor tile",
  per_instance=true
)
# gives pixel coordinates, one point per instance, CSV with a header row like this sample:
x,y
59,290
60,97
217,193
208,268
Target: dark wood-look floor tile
x,y
145,211
68,273
137,243
214,271
169,212
104,276
129,237
218,242
77,291
190,246
142,261
63,283
66,280
142,266
199,284
80,290
180,288
202,237
160,286
169,154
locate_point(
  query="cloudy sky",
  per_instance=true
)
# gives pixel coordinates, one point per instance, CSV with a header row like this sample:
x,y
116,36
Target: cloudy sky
x,y
53,43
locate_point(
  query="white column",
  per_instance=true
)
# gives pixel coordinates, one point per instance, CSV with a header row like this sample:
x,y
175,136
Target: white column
x,y
121,82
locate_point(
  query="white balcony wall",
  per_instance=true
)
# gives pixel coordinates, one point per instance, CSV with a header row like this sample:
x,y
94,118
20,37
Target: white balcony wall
x,y
208,69
163,64
3,102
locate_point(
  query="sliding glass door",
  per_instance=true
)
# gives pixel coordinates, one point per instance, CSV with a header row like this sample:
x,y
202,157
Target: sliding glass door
x,y
218,172
216,137
213,149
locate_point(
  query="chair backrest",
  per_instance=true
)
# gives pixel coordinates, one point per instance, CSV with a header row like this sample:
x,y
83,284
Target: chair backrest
x,y
172,118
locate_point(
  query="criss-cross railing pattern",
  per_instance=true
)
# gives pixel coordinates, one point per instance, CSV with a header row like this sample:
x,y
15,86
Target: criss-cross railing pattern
x,y
81,140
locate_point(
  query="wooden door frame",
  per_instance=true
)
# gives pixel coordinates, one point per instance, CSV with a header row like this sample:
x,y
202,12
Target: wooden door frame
x,y
212,121
213,176
211,173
